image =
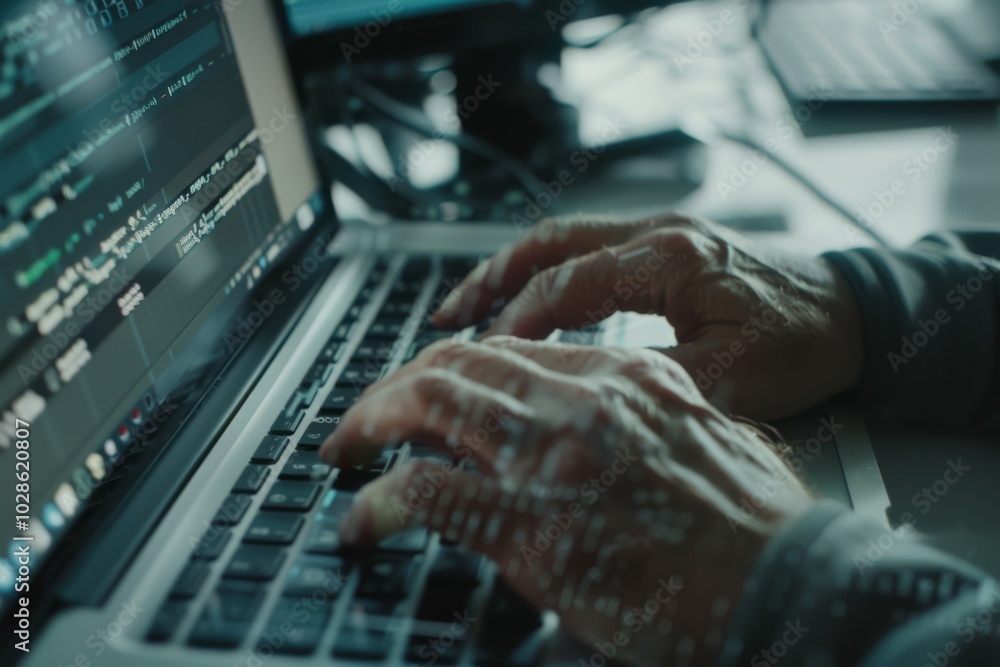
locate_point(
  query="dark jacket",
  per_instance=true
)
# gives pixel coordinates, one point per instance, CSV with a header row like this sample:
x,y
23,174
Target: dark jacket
x,y
932,357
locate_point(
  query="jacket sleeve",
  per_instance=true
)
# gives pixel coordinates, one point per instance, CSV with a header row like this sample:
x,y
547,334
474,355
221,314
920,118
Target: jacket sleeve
x,y
932,345
836,589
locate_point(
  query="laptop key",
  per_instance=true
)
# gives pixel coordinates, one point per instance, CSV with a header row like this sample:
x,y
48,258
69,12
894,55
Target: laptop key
x,y
510,647
256,562
274,528
444,649
362,643
318,432
291,496
318,372
335,505
233,508
190,580
167,618
413,541
225,619
407,287
455,566
287,422
270,449
289,631
398,309
324,537
384,576
235,605
428,338
343,332
359,375
306,466
386,329
444,605
332,352
353,479
251,479
507,609
212,543
340,399
310,574
374,352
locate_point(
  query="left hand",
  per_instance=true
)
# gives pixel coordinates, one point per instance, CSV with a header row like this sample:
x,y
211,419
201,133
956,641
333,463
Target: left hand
x,y
609,489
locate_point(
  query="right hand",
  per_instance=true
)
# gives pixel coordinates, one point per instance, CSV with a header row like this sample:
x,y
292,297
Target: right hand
x,y
764,334
599,481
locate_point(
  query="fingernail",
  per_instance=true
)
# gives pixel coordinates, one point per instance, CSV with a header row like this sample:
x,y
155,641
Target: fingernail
x,y
328,450
350,530
451,304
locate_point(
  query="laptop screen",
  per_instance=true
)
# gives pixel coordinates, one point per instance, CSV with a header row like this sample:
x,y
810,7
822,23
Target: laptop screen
x,y
155,166
314,16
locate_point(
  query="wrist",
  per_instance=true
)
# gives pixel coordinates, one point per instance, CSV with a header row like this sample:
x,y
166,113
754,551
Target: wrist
x,y
845,330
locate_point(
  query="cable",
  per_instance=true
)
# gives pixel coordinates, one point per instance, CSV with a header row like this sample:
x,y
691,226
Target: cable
x,y
699,131
811,186
416,121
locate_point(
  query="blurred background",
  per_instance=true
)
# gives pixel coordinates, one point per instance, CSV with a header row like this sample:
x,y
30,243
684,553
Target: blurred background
x,y
818,123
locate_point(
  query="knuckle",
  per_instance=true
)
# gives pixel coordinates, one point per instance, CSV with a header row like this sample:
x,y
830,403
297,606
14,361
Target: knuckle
x,y
604,394
415,471
635,363
679,243
544,282
432,382
547,229
443,352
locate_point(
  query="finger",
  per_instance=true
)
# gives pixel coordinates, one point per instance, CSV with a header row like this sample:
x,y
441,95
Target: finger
x,y
644,366
494,366
550,243
481,513
434,406
576,360
636,276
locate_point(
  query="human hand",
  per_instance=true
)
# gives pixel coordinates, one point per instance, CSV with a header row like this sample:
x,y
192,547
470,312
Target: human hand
x,y
763,333
605,486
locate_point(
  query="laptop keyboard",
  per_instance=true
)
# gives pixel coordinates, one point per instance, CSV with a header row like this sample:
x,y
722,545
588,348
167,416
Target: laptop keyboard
x,y
400,596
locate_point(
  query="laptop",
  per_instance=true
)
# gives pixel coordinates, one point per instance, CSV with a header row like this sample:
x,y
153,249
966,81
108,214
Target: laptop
x,y
184,322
